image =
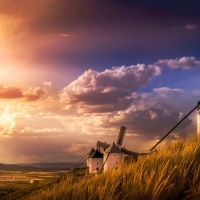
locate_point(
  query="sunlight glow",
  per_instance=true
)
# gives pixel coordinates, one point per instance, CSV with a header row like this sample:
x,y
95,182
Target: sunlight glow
x,y
7,119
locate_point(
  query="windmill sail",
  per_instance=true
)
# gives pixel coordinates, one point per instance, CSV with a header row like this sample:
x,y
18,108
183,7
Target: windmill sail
x,y
121,135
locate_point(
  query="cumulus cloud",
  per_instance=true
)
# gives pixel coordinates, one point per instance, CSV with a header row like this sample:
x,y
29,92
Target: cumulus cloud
x,y
191,26
109,88
10,92
147,119
184,63
33,94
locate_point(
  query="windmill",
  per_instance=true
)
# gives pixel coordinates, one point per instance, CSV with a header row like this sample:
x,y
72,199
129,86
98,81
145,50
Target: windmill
x,y
113,154
109,149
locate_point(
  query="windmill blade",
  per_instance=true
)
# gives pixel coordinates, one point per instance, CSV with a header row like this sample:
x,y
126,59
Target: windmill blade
x,y
87,154
121,135
102,145
104,163
198,106
80,160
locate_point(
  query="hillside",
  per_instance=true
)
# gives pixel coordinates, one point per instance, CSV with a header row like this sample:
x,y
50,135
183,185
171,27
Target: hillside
x,y
173,173
58,165
13,167
38,166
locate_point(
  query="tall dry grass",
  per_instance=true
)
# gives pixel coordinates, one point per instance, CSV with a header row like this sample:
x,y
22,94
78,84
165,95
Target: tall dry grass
x,y
173,173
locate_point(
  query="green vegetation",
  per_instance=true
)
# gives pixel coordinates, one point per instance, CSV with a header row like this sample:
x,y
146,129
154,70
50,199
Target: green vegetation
x,y
173,173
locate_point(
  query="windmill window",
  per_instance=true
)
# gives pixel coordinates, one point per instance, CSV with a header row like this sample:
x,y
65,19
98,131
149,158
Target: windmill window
x,y
116,162
97,163
114,155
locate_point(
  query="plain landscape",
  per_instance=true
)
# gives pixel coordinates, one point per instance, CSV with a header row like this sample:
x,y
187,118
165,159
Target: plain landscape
x,y
14,177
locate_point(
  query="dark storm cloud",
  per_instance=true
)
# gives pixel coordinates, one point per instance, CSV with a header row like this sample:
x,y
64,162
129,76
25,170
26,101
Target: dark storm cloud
x,y
98,32
155,113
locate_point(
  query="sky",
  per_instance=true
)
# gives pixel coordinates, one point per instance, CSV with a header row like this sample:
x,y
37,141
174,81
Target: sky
x,y
72,72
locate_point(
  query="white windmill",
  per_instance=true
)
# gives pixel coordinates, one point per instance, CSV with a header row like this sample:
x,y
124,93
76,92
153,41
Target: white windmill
x,y
198,119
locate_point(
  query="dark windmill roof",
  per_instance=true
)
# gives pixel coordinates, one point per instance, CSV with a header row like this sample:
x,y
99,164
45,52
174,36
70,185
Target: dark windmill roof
x,y
91,152
113,149
96,154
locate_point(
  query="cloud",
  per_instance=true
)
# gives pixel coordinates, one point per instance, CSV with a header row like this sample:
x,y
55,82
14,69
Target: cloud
x,y
33,94
57,136
153,115
191,26
10,92
184,63
167,90
108,90
46,83
6,123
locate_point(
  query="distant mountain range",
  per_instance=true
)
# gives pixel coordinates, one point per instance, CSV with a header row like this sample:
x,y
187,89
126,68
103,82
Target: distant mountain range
x,y
38,166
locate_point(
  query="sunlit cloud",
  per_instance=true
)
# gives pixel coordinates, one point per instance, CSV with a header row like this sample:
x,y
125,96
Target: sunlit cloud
x,y
43,130
6,122
10,92
33,94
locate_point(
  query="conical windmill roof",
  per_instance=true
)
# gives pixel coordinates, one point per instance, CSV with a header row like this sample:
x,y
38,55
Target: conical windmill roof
x,y
96,154
113,149
91,152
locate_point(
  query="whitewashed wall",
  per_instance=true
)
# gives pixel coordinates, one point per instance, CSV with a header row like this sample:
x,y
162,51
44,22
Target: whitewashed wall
x,y
95,163
198,123
113,161
88,162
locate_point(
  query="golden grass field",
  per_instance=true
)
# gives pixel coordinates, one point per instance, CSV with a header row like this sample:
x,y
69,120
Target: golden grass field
x,y
171,174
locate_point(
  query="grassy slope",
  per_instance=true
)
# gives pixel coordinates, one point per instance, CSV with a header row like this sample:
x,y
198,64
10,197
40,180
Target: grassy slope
x,y
173,173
